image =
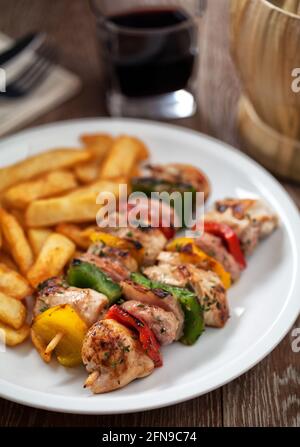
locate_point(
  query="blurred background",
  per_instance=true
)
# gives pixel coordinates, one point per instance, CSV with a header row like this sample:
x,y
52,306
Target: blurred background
x,y
71,27
181,65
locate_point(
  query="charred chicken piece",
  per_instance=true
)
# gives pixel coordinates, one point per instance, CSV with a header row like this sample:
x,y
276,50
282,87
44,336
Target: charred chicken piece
x,y
247,233
163,323
113,357
214,247
113,268
151,239
155,297
89,304
179,173
206,284
119,255
250,219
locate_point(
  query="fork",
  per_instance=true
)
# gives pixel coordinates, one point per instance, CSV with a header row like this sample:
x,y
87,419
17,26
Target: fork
x,y
32,74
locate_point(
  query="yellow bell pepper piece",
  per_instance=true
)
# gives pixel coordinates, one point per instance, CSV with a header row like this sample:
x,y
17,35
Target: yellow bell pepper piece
x,y
136,250
192,254
63,325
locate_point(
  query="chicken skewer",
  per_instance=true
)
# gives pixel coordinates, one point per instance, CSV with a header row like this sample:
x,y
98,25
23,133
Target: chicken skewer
x,y
250,219
54,292
152,300
159,310
155,308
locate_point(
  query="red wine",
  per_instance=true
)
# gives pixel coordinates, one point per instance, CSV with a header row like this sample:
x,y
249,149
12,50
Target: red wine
x,y
149,55
152,18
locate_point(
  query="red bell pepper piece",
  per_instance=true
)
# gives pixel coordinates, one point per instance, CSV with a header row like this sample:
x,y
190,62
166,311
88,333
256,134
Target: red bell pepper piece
x,y
168,232
166,215
230,239
146,336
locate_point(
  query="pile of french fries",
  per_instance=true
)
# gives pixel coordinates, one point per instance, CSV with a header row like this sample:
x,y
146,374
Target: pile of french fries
x,y
48,209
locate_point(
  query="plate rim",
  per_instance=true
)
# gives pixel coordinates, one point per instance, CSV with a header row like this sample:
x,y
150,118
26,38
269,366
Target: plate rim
x,y
66,404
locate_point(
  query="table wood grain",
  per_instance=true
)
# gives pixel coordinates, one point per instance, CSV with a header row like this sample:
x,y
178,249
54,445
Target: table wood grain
x,y
267,395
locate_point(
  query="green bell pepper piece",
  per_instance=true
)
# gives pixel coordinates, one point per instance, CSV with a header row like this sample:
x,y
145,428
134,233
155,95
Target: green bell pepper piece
x,y
193,311
87,275
147,185
142,280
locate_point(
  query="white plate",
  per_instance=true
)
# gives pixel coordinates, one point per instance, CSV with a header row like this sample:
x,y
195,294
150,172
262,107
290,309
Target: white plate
x,y
264,304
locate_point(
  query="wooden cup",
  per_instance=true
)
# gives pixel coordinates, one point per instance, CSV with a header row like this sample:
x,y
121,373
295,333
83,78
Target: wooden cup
x,y
265,44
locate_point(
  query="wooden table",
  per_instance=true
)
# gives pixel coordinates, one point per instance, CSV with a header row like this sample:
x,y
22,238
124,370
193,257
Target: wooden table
x,y
268,395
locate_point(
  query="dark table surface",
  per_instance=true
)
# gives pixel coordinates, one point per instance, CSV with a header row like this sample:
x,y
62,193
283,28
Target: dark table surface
x,y
269,394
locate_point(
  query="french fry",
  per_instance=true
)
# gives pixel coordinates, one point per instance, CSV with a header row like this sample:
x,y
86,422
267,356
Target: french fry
x,y
41,164
79,206
37,238
75,233
87,172
100,185
13,284
7,260
12,311
100,142
4,247
19,215
98,145
54,255
135,172
143,152
40,346
44,213
125,153
50,185
13,337
16,240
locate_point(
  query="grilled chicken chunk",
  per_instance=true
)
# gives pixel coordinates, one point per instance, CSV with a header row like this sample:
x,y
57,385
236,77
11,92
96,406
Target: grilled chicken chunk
x,y
247,233
89,304
212,296
166,271
152,240
213,246
114,269
113,356
206,284
163,324
155,297
250,219
181,173
260,214
116,254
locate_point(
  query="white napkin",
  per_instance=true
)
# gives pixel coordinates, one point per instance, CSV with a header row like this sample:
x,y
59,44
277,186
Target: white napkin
x,y
57,87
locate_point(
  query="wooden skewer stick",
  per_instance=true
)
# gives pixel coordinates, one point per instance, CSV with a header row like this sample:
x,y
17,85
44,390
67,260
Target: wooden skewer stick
x,y
91,379
39,346
53,343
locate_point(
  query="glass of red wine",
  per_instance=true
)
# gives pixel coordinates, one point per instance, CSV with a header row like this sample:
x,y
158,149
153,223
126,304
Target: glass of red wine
x,y
149,53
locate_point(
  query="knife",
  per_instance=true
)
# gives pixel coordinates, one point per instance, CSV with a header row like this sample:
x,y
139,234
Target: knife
x,y
16,48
